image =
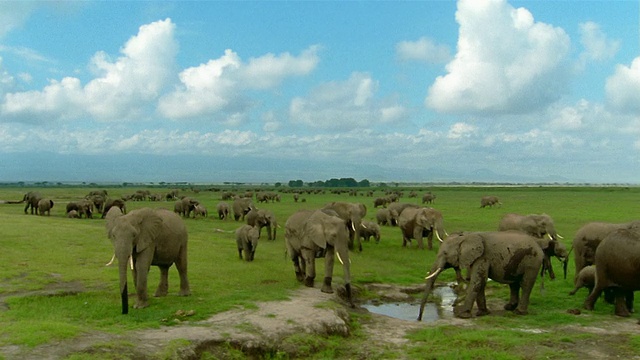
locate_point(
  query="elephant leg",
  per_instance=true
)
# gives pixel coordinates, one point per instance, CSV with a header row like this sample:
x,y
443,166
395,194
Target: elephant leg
x,y
181,266
240,253
328,270
478,277
300,273
163,286
430,240
621,303
514,292
142,298
310,266
481,301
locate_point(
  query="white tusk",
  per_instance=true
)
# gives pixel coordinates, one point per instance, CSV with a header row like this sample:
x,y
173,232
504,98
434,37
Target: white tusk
x,y
550,237
434,274
558,235
438,236
339,258
111,261
131,262
353,227
446,233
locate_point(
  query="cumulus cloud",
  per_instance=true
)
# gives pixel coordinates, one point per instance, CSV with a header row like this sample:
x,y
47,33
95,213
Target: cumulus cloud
x,y
505,62
623,87
597,46
423,50
218,84
343,105
120,91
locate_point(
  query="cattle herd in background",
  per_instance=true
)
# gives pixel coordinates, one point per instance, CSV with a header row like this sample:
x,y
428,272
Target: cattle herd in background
x,y
595,266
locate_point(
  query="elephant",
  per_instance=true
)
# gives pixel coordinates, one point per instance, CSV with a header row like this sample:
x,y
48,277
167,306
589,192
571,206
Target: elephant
x,y
539,226
200,210
415,223
507,257
352,214
109,203
308,232
241,206
247,240
398,208
381,201
369,229
185,206
223,210
586,278
263,218
98,201
386,217
489,201
73,214
31,199
428,198
589,236
82,207
44,206
617,261
150,237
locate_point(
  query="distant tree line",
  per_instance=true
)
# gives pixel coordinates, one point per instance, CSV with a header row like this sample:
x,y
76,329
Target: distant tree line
x,y
337,183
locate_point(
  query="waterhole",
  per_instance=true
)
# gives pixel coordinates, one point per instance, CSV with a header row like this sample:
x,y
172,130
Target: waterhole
x,y
442,308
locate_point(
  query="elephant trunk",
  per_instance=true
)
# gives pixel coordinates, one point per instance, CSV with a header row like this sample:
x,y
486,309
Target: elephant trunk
x,y
431,279
123,261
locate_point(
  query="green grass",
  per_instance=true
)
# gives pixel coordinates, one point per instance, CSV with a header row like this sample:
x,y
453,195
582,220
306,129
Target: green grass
x,y
43,253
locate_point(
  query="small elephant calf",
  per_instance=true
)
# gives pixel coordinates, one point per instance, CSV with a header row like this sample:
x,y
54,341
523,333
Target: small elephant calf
x,y
247,240
586,278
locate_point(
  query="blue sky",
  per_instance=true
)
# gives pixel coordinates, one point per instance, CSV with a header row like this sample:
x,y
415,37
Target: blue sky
x,y
268,91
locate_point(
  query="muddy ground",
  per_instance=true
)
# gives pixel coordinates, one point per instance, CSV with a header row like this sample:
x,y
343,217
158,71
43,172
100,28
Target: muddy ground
x,y
271,329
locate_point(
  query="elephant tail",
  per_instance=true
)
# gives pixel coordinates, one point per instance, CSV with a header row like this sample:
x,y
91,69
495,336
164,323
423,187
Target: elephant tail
x,y
566,263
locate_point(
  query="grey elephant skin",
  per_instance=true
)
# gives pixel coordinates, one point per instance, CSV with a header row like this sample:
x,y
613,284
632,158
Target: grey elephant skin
x,y
263,218
368,230
150,237
247,241
617,261
539,226
241,207
588,238
489,201
222,208
308,232
416,223
507,257
396,209
44,206
185,206
352,213
31,200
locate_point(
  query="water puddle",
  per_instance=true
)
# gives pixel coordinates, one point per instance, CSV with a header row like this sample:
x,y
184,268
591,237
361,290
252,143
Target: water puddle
x,y
442,308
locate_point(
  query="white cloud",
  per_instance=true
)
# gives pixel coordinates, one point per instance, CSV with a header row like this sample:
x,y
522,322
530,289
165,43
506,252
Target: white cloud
x,y
218,84
623,87
461,130
422,50
596,44
14,13
505,62
121,90
343,105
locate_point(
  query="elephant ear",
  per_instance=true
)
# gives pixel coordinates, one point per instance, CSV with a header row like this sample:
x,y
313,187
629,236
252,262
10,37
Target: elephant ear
x,y
318,228
113,213
471,248
148,224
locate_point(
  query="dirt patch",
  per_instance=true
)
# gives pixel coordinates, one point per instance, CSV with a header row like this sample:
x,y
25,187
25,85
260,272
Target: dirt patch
x,y
267,332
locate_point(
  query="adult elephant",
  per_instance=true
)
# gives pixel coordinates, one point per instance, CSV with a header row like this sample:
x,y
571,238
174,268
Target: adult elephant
x,y
222,208
241,206
352,214
386,216
247,241
396,208
489,201
617,261
185,206
31,200
588,238
507,257
263,218
82,207
369,229
309,232
415,223
44,206
539,226
109,203
150,237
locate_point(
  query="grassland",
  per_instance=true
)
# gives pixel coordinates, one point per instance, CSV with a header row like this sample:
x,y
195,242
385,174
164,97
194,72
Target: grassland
x,y
44,256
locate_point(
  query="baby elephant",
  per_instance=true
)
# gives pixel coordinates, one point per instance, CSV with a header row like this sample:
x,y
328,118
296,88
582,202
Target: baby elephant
x,y
247,240
586,278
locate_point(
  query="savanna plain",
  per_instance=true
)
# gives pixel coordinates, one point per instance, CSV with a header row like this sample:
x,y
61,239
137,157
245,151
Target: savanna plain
x,y
55,289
